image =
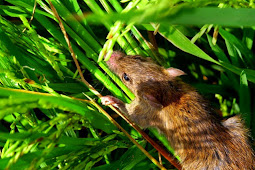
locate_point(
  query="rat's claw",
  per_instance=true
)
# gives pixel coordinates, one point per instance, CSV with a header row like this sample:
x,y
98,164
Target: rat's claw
x,y
106,100
110,100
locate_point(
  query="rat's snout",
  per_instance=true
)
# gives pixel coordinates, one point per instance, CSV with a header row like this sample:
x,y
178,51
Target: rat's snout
x,y
114,58
117,54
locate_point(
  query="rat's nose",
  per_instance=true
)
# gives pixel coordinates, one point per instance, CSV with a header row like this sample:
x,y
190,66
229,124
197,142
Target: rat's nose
x,y
114,57
116,54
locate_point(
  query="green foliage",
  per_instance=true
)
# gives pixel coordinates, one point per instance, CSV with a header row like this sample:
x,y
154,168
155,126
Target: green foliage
x,y
44,125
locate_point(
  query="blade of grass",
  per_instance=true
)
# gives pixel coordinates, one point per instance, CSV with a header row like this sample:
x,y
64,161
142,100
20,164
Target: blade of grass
x,y
222,57
178,39
74,8
217,50
26,5
125,161
247,55
245,99
76,26
183,14
248,36
48,57
13,50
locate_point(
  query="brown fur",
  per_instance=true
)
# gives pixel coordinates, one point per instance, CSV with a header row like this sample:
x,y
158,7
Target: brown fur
x,y
199,137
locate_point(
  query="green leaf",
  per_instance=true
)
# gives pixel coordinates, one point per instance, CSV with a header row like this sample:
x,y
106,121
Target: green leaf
x,y
245,99
237,45
21,101
127,161
172,34
248,37
164,13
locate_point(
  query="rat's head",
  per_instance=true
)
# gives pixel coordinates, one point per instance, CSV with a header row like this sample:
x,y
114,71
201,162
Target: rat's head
x,y
136,72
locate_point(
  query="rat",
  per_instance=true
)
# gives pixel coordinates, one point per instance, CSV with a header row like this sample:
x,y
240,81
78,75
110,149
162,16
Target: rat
x,y
199,136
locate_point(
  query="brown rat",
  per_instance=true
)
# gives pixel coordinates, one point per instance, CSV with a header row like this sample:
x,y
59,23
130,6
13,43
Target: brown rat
x,y
199,137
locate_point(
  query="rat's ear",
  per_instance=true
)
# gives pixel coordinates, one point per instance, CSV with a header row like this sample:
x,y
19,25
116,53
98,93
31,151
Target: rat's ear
x,y
174,72
153,101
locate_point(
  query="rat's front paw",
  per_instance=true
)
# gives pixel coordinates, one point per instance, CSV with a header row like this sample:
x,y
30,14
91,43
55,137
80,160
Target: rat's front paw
x,y
110,100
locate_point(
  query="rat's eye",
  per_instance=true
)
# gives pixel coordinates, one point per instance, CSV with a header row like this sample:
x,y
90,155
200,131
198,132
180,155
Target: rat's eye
x,y
138,58
125,77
